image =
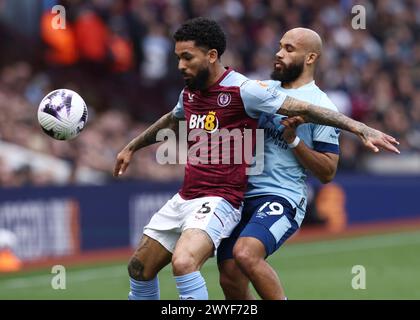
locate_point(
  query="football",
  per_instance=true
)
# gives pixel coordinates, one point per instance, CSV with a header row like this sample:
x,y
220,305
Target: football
x,y
62,114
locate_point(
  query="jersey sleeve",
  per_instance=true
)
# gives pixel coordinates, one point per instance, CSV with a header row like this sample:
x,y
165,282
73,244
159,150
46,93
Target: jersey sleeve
x,y
259,97
325,138
178,111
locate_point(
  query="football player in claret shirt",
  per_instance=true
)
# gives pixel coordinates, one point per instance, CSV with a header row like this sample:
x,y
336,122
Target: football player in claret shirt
x,y
188,229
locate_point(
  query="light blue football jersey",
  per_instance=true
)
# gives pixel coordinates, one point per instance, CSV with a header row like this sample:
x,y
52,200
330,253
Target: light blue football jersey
x,y
282,174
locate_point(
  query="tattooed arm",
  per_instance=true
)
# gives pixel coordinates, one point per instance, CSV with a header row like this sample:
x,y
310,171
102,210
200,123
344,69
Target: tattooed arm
x,y
146,138
372,138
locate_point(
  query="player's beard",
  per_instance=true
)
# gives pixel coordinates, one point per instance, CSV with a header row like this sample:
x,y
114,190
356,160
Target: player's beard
x,y
199,82
288,73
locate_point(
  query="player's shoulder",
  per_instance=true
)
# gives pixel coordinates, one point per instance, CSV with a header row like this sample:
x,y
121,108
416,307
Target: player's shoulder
x,y
237,79
263,83
234,79
275,84
323,100
260,88
326,102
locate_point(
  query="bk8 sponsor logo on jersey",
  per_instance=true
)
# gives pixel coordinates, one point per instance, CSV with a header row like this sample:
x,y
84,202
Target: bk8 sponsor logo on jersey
x,y
207,122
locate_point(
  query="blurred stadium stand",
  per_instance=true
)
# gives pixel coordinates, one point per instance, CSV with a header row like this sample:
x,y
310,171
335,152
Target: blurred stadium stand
x,y
119,56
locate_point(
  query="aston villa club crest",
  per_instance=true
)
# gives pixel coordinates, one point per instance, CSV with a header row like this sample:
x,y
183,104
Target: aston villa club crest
x,y
224,99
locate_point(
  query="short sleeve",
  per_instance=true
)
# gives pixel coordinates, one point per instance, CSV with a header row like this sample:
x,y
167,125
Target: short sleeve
x,y
178,111
325,138
259,97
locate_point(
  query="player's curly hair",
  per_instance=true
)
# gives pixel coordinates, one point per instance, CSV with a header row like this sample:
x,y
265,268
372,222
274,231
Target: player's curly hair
x,y
204,32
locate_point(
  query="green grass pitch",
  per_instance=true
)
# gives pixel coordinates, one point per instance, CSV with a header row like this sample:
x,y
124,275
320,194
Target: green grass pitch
x,y
312,270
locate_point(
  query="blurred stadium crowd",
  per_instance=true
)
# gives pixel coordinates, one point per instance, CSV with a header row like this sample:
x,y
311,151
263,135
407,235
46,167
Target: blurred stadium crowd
x,y
119,56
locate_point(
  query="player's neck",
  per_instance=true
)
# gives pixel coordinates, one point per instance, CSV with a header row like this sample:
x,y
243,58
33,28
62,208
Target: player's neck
x,y
299,82
215,74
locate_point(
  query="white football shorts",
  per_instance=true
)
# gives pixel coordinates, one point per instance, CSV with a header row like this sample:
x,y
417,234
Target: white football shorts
x,y
216,216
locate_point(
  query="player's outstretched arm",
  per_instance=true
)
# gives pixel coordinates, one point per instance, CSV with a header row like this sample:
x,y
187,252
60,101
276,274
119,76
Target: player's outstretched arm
x,y
146,138
372,138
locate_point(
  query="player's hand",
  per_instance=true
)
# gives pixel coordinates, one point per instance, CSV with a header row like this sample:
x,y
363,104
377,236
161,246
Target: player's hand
x,y
290,124
375,139
123,160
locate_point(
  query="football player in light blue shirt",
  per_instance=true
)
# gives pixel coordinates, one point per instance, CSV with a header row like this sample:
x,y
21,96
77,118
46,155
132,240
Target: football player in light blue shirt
x,y
276,200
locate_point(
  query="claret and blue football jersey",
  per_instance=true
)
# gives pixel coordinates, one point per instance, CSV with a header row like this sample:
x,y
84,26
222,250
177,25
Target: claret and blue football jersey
x,y
233,102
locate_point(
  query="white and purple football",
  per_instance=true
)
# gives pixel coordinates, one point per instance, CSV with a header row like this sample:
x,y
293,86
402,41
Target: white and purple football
x,y
62,114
